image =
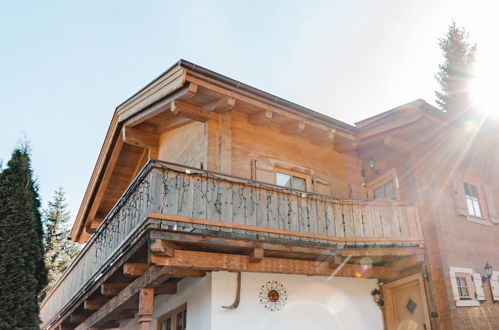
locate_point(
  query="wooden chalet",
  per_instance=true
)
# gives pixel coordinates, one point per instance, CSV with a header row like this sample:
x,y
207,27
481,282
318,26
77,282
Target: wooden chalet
x,y
215,205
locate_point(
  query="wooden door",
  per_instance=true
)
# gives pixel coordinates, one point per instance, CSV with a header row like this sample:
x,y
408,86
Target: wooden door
x,y
406,307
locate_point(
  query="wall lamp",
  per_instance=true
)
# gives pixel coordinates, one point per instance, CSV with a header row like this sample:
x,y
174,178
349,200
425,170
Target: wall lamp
x,y
488,273
378,297
372,166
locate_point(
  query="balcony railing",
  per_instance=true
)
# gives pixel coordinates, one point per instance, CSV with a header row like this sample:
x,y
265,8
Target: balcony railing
x,y
182,198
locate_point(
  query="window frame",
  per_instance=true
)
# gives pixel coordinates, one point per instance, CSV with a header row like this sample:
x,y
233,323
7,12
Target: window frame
x,y
297,174
469,286
382,180
468,274
173,314
482,201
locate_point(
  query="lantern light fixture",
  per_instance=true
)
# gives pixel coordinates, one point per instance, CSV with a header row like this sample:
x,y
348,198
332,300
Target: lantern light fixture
x,y
378,297
488,272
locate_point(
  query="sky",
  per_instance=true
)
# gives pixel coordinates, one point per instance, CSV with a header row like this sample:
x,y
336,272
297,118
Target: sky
x,y
66,65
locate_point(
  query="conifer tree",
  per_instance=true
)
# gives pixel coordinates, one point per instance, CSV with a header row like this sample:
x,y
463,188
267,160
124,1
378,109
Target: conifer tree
x,y
59,250
455,74
22,271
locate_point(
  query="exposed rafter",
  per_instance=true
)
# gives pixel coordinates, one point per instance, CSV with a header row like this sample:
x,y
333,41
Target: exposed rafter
x,y
139,138
260,118
293,128
187,110
221,105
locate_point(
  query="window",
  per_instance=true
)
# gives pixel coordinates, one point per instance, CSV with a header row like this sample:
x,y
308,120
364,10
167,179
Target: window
x,y
385,192
467,287
290,180
384,187
463,286
473,200
174,320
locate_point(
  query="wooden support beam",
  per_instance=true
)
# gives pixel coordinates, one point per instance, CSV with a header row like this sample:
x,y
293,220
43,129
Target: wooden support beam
x,y
407,262
256,255
64,327
222,105
230,243
293,129
135,269
153,277
94,304
182,272
260,118
187,110
146,307
162,247
112,289
397,144
123,315
166,288
77,318
239,263
139,138
173,123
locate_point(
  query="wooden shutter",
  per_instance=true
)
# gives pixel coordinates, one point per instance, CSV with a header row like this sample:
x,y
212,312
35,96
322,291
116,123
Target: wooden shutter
x,y
477,280
490,202
453,283
494,285
457,191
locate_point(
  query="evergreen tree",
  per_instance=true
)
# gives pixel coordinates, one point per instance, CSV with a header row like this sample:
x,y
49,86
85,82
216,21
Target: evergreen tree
x,y
22,271
59,250
454,75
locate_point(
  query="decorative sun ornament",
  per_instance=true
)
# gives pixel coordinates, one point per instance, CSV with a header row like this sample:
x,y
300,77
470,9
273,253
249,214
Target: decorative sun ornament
x,y
273,296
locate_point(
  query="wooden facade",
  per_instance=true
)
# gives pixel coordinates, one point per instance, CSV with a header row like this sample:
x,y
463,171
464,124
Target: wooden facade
x,y
187,183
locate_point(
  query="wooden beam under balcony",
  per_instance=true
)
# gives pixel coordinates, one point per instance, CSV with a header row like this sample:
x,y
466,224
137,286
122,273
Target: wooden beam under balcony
x,y
166,288
162,248
94,304
210,261
256,255
152,278
194,112
112,289
407,262
135,269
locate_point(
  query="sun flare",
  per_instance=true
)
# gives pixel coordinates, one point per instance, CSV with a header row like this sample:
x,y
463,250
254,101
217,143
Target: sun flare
x,y
484,88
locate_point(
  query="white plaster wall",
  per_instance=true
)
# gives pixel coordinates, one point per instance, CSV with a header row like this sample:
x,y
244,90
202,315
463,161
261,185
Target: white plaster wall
x,y
313,303
196,292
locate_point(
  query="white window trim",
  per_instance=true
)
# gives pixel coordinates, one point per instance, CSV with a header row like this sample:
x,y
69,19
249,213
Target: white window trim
x,y
477,295
467,303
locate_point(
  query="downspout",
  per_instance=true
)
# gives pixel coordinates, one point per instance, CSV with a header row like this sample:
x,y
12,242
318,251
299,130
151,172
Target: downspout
x,y
235,304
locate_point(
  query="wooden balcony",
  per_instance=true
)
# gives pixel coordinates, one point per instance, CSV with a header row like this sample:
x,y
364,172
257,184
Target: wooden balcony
x,y
169,198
